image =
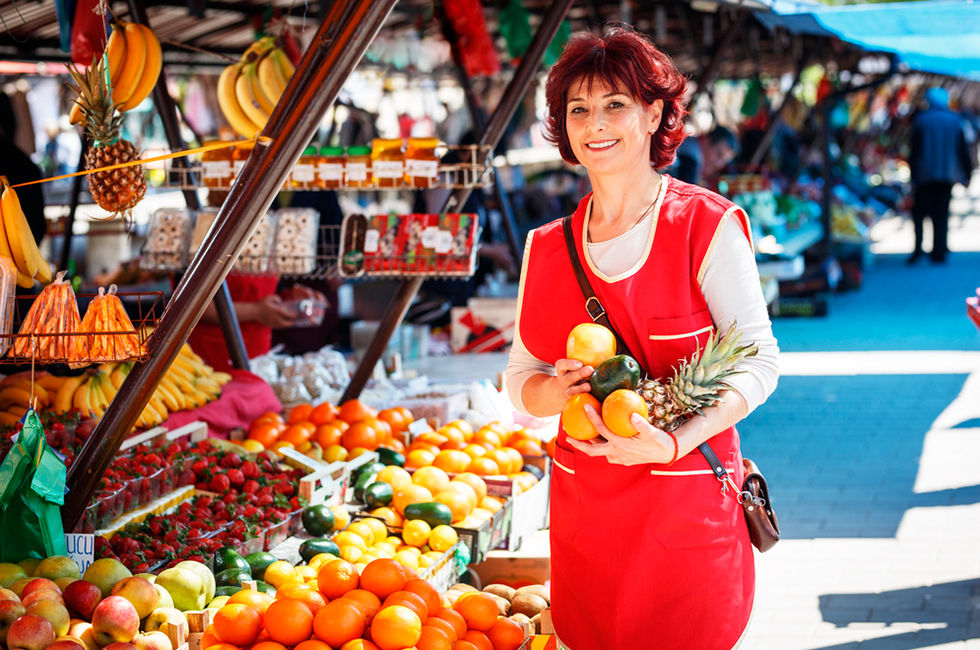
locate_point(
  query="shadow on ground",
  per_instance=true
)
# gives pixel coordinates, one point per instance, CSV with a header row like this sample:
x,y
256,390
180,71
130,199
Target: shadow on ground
x,y
945,609
841,453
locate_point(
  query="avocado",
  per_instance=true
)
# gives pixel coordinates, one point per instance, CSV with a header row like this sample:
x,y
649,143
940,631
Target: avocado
x,y
227,557
620,371
313,547
378,494
259,562
317,520
390,457
431,512
232,577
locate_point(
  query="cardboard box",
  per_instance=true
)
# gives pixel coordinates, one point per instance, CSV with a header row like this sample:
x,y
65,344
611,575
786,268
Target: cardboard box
x,y
514,569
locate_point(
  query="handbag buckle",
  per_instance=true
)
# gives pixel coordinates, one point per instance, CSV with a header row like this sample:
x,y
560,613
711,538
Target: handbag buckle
x,y
595,308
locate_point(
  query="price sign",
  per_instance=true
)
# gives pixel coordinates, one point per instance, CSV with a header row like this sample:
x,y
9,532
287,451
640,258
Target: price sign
x,y
81,548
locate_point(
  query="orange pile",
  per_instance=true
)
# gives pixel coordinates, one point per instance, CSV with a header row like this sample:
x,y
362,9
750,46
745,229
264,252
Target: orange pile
x,y
342,432
385,607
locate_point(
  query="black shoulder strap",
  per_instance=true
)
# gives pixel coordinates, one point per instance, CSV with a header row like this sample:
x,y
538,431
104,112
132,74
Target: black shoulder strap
x,y
598,315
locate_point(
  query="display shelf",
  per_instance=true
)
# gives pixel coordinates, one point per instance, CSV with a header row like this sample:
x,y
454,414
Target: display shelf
x,y
474,170
129,345
792,243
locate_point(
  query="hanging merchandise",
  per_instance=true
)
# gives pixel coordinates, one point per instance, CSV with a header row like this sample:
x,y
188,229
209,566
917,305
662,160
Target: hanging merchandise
x,y
515,26
557,43
479,54
33,490
249,89
753,98
66,12
824,88
88,33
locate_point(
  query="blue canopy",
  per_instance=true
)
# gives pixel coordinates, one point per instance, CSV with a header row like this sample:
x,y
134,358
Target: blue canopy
x,y
940,36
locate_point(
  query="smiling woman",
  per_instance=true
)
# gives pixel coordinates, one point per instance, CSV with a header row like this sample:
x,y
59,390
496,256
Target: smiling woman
x,y
667,261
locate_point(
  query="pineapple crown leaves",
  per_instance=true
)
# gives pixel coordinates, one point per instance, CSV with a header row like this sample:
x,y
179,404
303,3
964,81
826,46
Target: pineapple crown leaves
x,y
103,122
696,382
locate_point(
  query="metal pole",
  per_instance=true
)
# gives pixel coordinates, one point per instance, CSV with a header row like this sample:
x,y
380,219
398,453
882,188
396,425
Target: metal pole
x,y
167,109
76,192
489,136
336,49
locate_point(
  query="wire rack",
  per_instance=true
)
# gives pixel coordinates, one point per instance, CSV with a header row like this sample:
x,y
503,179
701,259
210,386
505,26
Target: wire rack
x,y
470,168
50,348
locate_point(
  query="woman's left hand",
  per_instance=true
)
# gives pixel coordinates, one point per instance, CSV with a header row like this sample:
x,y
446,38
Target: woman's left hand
x,y
649,445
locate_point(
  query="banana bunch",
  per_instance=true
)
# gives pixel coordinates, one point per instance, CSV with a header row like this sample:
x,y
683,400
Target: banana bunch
x,y
249,89
16,392
17,241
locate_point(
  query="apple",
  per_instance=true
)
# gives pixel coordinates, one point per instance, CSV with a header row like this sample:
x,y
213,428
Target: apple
x,y
186,588
64,582
81,597
120,645
67,643
206,576
105,573
10,611
140,592
165,599
162,615
149,576
153,641
41,594
83,630
115,619
57,566
38,583
218,602
18,586
31,633
28,564
11,573
7,594
55,612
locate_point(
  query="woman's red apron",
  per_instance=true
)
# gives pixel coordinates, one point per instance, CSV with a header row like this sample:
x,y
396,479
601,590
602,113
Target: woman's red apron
x,y
208,340
646,556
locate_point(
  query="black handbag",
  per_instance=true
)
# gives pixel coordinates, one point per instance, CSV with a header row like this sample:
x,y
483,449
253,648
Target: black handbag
x,y
754,493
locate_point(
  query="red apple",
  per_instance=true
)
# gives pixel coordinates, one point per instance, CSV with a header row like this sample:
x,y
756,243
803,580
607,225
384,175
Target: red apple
x,y
6,594
115,619
81,597
67,643
39,595
153,641
120,645
10,611
140,592
31,633
39,583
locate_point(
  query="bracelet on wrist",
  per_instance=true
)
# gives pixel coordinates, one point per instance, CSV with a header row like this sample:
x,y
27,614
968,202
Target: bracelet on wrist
x,y
676,449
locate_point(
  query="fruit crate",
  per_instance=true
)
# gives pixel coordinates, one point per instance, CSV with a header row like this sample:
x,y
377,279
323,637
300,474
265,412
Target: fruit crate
x,y
445,571
146,306
529,513
473,170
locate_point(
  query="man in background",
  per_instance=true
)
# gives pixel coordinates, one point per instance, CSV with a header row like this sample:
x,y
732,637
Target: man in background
x,y
701,159
939,157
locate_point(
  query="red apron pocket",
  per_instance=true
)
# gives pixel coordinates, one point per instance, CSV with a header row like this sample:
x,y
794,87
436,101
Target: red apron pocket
x,y
676,339
565,500
692,510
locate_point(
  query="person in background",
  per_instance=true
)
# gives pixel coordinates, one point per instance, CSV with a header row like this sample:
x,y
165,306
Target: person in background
x,y
18,167
939,157
702,158
671,262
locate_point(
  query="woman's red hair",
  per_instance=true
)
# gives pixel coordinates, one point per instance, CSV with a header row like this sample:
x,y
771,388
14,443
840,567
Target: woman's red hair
x,y
620,58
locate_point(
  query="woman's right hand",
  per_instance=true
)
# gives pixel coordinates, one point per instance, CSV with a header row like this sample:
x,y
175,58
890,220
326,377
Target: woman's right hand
x,y
271,312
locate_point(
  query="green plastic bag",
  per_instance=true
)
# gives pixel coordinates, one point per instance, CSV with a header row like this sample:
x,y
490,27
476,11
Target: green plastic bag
x,y
32,491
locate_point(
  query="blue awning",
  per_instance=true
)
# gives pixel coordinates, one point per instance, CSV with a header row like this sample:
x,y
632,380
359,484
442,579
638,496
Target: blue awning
x,y
940,36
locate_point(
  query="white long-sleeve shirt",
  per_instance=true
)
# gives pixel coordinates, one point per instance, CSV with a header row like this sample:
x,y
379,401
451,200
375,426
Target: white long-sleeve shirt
x,y
730,286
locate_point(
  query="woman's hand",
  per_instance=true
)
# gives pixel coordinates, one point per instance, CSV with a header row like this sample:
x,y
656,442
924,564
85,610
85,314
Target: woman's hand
x,y
649,445
271,312
544,395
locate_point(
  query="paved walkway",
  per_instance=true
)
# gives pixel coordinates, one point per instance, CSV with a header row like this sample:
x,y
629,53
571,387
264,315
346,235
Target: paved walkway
x,y
871,445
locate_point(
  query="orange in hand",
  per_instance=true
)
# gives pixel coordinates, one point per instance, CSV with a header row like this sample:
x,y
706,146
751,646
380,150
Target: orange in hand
x,y
574,420
617,409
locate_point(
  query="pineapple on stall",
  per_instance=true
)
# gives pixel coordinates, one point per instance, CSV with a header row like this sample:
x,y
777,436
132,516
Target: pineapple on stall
x,y
696,383
115,190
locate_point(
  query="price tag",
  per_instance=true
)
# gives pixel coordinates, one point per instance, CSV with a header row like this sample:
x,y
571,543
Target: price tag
x,y
430,237
356,172
216,168
81,548
387,168
444,241
331,171
371,239
422,168
304,173
418,427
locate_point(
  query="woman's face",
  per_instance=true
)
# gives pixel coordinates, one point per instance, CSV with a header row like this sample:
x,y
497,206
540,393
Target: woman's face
x,y
608,129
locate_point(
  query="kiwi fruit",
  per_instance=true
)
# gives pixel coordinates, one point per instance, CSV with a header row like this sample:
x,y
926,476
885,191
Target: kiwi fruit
x,y
462,587
501,590
523,621
452,595
528,604
503,605
536,622
537,590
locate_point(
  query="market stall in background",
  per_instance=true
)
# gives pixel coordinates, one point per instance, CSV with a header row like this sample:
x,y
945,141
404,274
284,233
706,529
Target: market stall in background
x,y
359,477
